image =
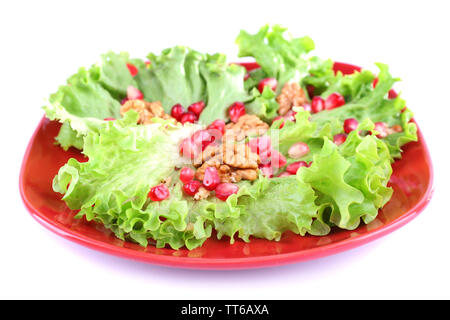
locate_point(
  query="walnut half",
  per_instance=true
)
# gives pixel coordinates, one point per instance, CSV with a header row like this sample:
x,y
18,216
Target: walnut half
x,y
147,110
292,95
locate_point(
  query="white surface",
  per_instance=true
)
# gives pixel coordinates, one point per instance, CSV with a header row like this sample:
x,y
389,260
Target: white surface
x,y
45,42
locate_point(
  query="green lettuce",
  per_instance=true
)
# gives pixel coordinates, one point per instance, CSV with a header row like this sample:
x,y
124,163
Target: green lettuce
x,y
279,57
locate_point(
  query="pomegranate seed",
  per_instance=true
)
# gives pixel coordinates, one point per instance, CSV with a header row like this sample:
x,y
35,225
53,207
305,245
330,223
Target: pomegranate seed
x,y
202,138
177,111
375,82
339,138
218,125
158,193
186,175
279,118
134,93
334,100
290,115
236,110
270,82
350,124
188,117
381,127
392,94
132,68
197,107
293,167
122,102
265,156
259,145
191,187
266,170
284,174
310,90
224,190
278,160
109,119
298,150
317,104
211,179
189,149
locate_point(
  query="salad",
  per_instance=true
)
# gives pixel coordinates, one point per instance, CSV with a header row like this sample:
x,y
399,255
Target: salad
x,y
186,146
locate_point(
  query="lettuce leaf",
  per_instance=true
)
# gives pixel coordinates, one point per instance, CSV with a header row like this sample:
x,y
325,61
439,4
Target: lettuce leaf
x,y
280,58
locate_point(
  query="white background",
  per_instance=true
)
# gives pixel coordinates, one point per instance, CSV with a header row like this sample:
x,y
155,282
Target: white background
x,y
43,42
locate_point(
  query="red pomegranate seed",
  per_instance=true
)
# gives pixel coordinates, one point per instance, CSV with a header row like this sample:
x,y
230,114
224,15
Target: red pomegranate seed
x,y
189,149
109,119
293,167
290,115
186,175
188,117
334,100
284,174
211,178
134,93
350,124
197,107
224,190
217,127
310,90
265,156
270,82
381,127
191,187
298,150
279,118
392,94
278,160
375,82
260,145
202,138
317,104
177,111
266,170
132,68
236,110
339,138
158,193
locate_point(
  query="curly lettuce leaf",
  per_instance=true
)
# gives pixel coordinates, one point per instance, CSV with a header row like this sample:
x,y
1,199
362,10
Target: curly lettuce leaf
x,y
172,77
350,180
279,57
224,86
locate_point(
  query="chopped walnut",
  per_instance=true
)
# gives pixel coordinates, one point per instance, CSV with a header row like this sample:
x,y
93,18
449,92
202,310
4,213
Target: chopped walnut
x,y
201,194
292,95
147,110
247,125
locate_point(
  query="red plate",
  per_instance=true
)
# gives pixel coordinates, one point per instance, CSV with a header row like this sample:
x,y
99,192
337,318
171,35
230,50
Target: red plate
x,y
412,182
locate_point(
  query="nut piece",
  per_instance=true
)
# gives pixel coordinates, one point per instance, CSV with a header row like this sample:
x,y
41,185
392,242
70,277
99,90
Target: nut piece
x,y
247,125
201,194
233,162
147,110
292,95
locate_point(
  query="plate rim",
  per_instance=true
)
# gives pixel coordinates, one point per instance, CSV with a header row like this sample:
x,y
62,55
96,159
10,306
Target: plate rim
x,y
230,263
